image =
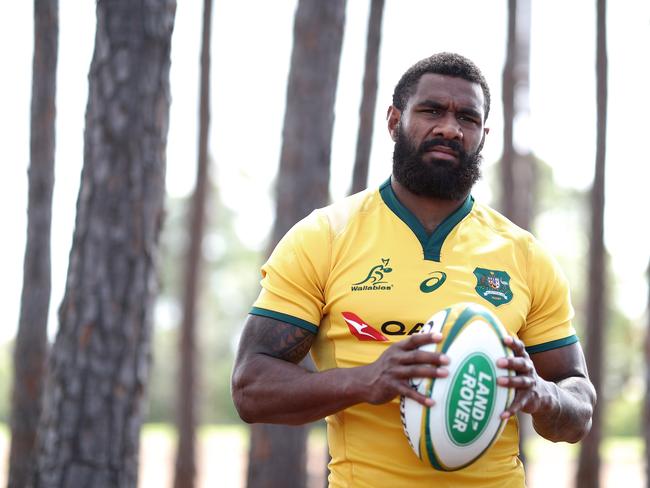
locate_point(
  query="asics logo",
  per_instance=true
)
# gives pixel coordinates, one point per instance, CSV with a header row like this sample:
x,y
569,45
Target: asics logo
x,y
434,282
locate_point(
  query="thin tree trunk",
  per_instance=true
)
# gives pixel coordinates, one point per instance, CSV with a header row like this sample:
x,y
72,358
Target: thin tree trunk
x,y
646,406
518,189
508,96
30,349
518,168
589,460
303,179
369,98
278,453
92,411
185,476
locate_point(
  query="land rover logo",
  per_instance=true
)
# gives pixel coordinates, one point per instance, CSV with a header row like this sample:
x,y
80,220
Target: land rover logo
x,y
471,399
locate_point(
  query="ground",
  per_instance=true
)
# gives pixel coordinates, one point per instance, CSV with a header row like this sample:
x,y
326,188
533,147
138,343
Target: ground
x,y
223,455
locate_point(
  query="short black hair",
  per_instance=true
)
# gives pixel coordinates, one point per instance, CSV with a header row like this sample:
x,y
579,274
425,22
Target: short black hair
x,y
448,64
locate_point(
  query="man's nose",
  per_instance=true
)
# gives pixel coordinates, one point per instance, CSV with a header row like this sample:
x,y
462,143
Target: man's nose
x,y
448,128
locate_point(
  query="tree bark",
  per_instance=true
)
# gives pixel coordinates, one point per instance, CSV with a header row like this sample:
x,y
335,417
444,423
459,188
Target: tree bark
x,y
303,179
278,453
369,98
30,349
646,404
518,171
92,411
185,475
589,460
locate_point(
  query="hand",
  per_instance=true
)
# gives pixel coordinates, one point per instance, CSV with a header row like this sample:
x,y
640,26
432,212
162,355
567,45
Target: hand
x,y
530,391
389,375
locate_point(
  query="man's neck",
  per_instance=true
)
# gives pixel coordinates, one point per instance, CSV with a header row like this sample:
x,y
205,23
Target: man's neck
x,y
429,211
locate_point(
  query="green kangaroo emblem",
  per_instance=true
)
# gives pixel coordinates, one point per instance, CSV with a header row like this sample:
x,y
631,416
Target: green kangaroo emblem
x,y
376,274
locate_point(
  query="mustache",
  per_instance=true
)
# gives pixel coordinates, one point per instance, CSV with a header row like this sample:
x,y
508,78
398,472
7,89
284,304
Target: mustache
x,y
439,141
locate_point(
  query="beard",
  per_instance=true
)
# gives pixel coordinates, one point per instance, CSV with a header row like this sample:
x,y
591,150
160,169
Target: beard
x,y
437,178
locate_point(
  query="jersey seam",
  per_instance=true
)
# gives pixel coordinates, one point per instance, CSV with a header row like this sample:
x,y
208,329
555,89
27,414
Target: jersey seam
x,y
554,344
284,317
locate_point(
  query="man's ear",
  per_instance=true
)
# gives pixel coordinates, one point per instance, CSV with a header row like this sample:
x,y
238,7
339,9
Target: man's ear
x,y
393,115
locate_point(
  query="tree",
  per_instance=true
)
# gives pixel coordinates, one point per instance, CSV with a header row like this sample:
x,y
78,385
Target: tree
x,y
518,190
186,422
646,405
30,349
589,460
92,411
518,170
369,97
278,453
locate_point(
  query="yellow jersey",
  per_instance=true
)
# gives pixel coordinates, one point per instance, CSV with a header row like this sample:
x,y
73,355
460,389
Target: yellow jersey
x,y
363,273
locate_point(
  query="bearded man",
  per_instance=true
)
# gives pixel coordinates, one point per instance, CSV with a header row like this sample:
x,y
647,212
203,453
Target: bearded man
x,y
352,283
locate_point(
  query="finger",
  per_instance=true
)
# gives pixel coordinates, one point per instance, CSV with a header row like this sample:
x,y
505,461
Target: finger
x,y
418,397
417,340
517,404
516,345
420,371
424,357
519,364
517,382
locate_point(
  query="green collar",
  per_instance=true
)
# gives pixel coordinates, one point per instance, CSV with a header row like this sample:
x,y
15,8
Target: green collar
x,y
431,244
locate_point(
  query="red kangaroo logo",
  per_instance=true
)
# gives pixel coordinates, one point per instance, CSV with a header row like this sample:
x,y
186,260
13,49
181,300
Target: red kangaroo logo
x,y
360,329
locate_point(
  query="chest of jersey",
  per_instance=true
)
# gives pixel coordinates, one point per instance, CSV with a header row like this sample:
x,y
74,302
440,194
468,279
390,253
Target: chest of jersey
x,y
383,288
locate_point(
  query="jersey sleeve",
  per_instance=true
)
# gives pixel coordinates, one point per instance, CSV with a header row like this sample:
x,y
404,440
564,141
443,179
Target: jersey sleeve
x,y
548,325
294,277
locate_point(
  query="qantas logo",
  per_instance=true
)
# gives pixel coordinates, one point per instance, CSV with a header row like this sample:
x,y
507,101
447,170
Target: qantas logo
x,y
360,329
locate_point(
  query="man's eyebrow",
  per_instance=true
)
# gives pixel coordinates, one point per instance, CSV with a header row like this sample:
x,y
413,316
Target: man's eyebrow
x,y
464,110
431,104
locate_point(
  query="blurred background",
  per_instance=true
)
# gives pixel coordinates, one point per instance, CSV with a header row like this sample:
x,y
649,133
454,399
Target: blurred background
x,y
553,117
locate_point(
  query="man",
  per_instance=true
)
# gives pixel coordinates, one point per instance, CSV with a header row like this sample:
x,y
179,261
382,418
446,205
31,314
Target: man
x,y
352,283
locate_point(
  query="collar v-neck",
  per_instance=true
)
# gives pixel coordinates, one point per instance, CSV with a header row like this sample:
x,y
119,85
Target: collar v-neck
x,y
431,244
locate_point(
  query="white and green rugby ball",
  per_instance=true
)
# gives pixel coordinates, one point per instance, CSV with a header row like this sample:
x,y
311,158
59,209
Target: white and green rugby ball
x,y
465,420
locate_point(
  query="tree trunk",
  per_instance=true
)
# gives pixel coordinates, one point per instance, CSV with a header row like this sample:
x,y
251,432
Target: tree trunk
x,y
646,405
92,411
369,98
30,349
589,460
186,423
518,170
303,179
278,453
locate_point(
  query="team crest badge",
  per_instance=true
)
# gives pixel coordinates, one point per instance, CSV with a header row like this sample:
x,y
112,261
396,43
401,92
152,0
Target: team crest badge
x,y
493,285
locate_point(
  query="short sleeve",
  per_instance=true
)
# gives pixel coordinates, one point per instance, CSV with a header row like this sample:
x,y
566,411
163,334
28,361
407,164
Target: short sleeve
x,y
548,325
294,277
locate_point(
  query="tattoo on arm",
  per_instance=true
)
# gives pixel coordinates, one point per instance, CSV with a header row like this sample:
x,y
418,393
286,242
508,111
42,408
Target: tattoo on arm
x,y
284,341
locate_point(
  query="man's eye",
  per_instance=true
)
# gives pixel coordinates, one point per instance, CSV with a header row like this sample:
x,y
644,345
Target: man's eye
x,y
467,119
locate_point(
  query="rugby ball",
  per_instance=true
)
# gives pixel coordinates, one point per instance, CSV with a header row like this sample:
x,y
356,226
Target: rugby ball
x,y
465,420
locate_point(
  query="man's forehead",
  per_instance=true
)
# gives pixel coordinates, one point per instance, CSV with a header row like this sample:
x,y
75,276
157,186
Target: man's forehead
x,y
433,86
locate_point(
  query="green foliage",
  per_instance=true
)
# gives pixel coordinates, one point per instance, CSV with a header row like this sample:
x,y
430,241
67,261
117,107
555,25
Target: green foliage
x,y
623,416
228,288
6,372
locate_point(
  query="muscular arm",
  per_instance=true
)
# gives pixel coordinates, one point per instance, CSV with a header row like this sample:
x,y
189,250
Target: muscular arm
x,y
554,387
268,384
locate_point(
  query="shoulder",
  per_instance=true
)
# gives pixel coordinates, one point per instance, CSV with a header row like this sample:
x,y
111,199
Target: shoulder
x,y
324,225
499,225
339,215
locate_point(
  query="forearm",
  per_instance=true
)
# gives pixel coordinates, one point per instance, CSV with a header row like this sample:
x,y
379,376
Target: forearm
x,y
270,390
566,416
